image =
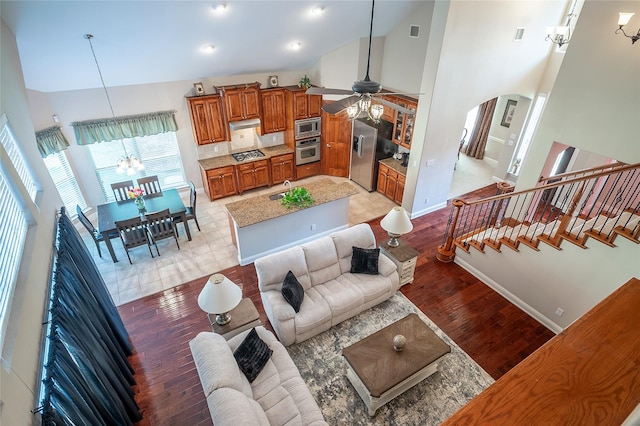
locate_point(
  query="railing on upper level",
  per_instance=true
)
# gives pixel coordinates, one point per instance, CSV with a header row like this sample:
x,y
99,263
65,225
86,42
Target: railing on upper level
x,y
598,203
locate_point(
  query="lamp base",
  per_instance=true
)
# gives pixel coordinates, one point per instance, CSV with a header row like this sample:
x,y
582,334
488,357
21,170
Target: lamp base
x,y
223,319
393,240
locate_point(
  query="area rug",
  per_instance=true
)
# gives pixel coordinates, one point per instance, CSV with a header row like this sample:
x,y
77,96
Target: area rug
x,y
319,360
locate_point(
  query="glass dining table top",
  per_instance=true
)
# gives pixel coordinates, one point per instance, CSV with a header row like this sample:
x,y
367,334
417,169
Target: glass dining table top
x,y
109,213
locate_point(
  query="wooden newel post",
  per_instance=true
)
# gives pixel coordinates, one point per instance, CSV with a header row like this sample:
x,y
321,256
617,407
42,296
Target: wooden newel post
x,y
447,251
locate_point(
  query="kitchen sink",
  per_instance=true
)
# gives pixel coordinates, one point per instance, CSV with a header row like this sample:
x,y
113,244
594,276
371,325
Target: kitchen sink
x,y
279,196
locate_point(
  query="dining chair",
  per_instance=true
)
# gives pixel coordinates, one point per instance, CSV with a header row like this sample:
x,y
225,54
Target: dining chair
x,y
161,226
150,184
133,233
121,189
97,237
191,210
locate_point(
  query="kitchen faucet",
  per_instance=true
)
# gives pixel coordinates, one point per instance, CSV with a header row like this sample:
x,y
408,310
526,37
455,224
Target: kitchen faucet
x,y
289,183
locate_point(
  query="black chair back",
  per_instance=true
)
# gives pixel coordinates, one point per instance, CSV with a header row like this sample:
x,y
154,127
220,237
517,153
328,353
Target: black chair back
x,y
160,226
133,233
150,184
121,189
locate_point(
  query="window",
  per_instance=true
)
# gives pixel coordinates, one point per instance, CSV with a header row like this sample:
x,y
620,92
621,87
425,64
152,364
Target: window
x,y
13,219
159,154
65,181
534,117
16,156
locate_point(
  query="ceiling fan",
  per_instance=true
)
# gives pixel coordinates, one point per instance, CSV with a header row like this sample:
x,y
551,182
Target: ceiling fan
x,y
362,92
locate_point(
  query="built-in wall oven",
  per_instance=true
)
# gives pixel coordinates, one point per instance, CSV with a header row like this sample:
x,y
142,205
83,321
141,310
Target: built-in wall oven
x,y
307,128
307,150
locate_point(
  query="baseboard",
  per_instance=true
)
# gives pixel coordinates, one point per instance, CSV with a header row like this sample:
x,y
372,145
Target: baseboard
x,y
490,161
430,209
509,296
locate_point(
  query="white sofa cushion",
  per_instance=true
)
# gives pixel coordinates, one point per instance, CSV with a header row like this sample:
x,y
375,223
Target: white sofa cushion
x,y
272,269
224,373
322,260
230,407
357,236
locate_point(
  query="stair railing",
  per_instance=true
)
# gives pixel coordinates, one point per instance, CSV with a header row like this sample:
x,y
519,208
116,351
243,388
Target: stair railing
x,y
598,203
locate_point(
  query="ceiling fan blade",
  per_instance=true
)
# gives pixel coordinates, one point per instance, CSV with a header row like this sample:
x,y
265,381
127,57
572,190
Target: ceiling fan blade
x,y
399,93
325,91
396,107
337,106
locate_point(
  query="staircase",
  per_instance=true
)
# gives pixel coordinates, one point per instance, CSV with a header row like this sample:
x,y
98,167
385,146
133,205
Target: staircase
x,y
601,203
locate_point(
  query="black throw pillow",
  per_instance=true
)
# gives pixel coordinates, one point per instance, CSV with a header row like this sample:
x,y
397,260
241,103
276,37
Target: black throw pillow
x,y
292,291
252,355
365,261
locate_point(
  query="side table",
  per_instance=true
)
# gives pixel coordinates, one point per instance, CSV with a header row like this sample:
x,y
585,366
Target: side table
x,y
405,258
243,317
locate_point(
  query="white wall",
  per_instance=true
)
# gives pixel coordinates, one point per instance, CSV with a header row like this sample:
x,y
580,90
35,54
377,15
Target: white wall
x,y
594,107
480,61
21,351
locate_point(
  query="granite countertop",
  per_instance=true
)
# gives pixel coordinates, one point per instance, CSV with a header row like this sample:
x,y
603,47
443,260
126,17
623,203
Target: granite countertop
x,y
396,165
228,160
260,208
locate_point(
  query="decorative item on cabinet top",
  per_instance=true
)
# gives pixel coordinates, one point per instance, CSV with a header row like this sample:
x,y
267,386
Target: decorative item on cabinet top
x,y
273,81
199,88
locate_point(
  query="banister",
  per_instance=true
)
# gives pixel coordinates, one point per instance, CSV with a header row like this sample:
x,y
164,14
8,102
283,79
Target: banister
x,y
577,172
446,251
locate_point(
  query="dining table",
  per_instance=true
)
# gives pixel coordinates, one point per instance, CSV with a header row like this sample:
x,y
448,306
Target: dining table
x,y
110,213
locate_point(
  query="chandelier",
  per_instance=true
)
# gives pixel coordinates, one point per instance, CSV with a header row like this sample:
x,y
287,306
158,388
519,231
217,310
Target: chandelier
x,y
128,163
374,112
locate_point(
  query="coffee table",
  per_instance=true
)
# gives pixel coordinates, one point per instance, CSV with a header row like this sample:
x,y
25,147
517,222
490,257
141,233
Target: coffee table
x,y
379,373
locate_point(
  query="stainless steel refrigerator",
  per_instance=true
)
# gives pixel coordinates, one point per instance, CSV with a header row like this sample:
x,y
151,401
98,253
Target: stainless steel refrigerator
x,y
371,143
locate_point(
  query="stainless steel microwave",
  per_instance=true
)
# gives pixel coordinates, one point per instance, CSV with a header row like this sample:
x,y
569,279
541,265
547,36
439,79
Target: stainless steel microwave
x,y
307,128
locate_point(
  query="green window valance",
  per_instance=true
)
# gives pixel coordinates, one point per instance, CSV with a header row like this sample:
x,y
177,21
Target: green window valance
x,y
51,141
130,126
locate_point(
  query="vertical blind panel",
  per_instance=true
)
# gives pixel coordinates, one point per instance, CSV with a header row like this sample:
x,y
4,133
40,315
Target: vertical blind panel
x,y
13,229
14,153
65,181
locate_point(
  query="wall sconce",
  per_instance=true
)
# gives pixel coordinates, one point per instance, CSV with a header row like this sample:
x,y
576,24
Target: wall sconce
x,y
623,20
559,35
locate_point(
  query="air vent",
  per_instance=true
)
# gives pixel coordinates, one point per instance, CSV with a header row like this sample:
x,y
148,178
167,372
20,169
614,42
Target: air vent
x,y
414,31
519,34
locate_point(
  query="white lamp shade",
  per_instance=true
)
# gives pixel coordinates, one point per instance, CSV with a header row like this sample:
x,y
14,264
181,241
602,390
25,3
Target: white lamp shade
x,y
397,221
219,295
624,18
562,31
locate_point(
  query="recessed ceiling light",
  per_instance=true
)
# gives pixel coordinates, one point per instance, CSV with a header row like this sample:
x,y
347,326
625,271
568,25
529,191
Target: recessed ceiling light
x,y
209,48
219,8
295,45
317,10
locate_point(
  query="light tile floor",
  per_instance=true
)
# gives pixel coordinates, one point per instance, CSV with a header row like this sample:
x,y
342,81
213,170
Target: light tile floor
x,y
209,251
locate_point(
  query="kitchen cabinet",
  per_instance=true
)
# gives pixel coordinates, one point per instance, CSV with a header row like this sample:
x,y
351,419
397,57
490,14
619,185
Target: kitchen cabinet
x,y
220,182
390,183
241,102
207,119
274,117
281,168
306,170
253,175
305,106
403,123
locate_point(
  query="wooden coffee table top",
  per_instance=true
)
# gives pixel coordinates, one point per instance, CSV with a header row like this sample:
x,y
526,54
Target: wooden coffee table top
x,y
380,367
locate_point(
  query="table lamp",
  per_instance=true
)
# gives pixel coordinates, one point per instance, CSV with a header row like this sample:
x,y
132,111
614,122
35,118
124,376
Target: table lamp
x,y
219,296
396,223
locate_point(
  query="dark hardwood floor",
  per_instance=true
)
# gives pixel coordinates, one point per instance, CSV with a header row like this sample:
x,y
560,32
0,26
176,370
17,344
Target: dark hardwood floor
x,y
494,332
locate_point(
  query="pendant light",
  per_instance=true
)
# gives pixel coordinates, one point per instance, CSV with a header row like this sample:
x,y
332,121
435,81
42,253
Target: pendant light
x,y
128,163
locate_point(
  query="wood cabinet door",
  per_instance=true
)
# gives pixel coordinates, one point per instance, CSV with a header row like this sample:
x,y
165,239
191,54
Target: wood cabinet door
x,y
229,184
335,144
261,174
245,180
274,118
299,105
216,189
383,173
399,189
392,179
407,134
314,105
233,104
281,168
200,121
217,124
251,102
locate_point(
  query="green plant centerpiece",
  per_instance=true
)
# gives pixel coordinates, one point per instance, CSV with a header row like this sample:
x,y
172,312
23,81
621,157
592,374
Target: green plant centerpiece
x,y
297,197
305,82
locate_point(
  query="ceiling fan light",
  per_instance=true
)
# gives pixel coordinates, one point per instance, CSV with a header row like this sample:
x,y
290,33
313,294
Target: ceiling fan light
x,y
376,112
353,111
317,10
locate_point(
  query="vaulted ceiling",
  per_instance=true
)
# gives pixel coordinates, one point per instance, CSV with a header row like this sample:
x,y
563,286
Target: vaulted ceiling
x,y
138,42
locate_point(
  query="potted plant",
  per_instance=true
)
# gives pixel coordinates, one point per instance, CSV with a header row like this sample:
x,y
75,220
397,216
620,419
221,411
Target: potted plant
x,y
297,197
305,82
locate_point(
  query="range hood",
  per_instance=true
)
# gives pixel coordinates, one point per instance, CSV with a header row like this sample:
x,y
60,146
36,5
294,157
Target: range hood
x,y
244,124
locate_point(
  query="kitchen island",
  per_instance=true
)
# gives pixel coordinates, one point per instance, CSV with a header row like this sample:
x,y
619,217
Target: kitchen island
x,y
260,225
